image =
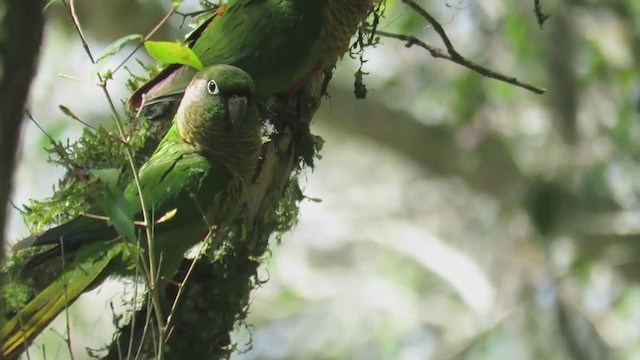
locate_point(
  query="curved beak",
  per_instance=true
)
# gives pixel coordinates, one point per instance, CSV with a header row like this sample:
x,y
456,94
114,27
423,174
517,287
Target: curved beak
x,y
237,107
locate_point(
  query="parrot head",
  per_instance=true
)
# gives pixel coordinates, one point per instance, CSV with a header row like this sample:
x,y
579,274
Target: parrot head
x,y
219,99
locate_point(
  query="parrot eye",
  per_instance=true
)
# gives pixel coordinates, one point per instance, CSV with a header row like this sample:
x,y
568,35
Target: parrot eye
x,y
213,88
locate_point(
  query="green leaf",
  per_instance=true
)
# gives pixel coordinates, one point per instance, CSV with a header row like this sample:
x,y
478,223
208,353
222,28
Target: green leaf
x,y
173,53
120,213
113,49
108,176
115,205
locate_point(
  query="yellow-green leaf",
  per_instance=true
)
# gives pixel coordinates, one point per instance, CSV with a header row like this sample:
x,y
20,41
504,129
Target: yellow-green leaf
x,y
173,53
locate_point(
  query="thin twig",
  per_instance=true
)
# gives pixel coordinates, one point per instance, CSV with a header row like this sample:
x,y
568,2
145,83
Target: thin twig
x,y
541,17
72,166
69,77
149,35
28,113
135,308
147,321
451,53
199,254
151,281
436,26
192,14
74,117
458,59
65,110
116,324
65,286
106,219
181,286
25,343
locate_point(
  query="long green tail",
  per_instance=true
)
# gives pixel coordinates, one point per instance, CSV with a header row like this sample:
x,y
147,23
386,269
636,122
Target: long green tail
x,y
32,319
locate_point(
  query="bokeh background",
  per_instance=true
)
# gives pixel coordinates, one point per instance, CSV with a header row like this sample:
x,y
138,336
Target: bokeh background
x,y
450,217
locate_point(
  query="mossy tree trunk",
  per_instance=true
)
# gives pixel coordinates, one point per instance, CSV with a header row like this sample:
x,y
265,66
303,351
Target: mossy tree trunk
x,y
216,295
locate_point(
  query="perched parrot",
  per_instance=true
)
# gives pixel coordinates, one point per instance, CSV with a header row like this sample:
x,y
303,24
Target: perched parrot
x,y
196,174
279,43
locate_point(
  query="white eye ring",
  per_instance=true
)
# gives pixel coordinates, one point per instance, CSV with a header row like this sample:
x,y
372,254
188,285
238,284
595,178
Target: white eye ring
x,y
212,87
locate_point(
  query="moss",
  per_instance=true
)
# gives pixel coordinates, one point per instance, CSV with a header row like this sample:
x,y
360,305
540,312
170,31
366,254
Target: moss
x,y
216,296
100,149
366,37
287,210
72,195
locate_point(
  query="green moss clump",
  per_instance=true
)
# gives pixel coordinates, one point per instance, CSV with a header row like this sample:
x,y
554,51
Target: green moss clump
x,y
101,149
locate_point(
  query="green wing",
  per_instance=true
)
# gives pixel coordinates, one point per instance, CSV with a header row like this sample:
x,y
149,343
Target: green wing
x,y
179,179
176,177
272,40
171,179
39,312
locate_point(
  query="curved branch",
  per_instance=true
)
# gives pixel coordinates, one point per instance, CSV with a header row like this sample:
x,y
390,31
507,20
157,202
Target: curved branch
x,y
451,53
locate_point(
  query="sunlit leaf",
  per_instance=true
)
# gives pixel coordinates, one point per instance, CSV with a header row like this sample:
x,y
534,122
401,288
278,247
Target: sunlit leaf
x,y
173,53
168,216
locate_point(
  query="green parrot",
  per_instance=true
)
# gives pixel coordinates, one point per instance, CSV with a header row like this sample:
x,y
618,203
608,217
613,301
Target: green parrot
x,y
279,43
191,185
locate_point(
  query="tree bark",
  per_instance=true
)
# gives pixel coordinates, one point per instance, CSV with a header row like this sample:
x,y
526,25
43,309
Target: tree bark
x,y
216,295
20,36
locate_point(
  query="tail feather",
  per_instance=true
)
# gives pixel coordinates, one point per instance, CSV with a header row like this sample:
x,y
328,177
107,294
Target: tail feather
x,y
32,319
75,232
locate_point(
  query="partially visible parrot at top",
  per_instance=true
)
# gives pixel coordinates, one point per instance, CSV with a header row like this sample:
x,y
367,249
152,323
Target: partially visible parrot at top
x,y
197,174
279,43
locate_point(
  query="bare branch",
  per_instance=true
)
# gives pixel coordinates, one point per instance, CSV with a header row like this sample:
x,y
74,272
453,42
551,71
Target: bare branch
x,y
451,53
